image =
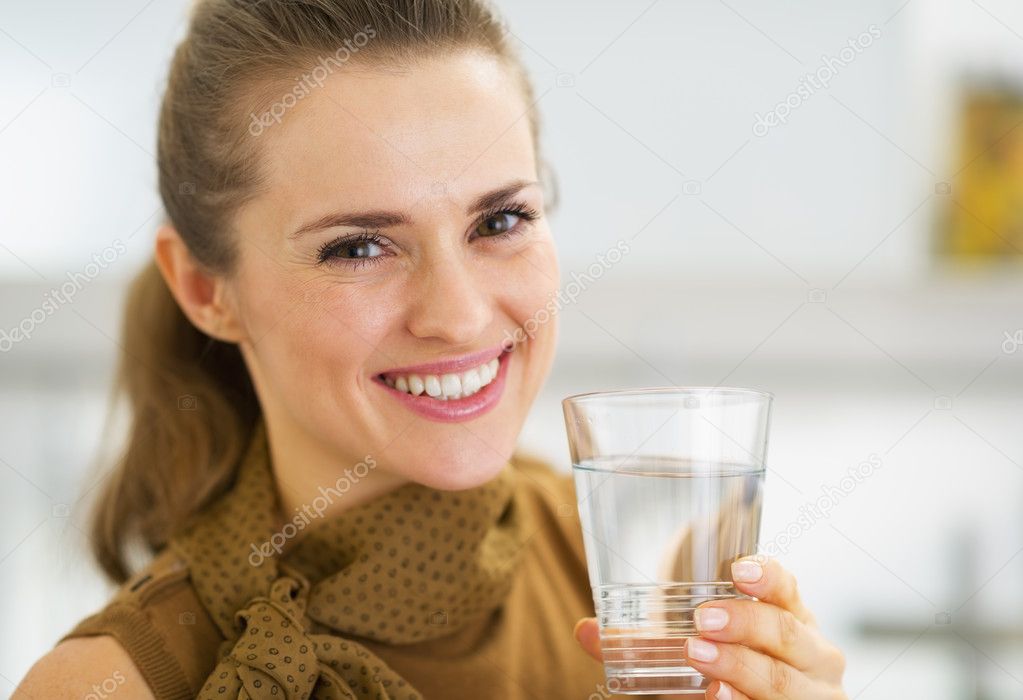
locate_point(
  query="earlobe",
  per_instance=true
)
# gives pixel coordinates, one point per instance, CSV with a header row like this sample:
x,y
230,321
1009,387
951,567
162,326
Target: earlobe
x,y
227,323
199,292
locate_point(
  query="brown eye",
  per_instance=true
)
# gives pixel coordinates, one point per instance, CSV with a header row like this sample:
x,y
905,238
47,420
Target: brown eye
x,y
357,249
499,223
353,250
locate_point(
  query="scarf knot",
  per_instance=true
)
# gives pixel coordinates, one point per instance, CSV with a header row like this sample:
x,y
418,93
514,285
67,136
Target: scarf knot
x,y
276,656
272,655
414,564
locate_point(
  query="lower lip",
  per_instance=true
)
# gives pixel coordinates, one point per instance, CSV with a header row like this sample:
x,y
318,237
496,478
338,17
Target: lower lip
x,y
455,410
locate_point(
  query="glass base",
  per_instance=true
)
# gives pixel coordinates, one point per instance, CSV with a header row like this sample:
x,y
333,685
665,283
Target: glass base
x,y
681,681
643,631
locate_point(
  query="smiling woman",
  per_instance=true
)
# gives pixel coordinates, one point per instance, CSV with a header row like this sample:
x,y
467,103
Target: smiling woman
x,y
322,460
328,363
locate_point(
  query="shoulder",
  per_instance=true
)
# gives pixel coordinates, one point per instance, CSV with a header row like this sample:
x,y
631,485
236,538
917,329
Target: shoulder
x,y
555,488
154,625
552,495
81,668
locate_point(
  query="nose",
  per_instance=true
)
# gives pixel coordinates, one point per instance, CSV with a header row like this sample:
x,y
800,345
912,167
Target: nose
x,y
452,303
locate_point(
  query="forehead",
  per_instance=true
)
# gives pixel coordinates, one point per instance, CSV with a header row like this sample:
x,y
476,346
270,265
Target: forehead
x,y
369,132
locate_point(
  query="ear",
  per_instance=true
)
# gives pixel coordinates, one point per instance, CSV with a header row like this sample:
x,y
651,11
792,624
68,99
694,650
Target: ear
x,y
204,297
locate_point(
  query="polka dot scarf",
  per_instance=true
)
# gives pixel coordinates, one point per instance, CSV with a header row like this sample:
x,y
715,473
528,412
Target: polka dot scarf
x,y
414,564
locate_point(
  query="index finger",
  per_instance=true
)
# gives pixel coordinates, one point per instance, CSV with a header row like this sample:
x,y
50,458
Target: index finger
x,y
765,579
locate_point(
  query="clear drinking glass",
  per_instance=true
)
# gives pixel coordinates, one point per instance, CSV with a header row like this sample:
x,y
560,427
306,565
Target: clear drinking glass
x,y
669,483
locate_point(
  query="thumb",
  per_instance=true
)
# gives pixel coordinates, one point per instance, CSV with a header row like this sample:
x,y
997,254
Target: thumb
x,y
588,636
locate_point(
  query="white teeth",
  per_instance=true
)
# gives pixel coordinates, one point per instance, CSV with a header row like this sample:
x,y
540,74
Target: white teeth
x,y
446,386
432,385
450,384
415,385
470,382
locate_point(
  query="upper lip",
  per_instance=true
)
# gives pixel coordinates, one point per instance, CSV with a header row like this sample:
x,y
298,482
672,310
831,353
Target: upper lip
x,y
452,366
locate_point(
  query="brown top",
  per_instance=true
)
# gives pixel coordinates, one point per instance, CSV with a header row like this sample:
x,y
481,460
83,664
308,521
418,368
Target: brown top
x,y
525,649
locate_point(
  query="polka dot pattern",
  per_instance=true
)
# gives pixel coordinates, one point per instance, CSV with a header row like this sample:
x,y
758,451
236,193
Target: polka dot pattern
x,y
414,564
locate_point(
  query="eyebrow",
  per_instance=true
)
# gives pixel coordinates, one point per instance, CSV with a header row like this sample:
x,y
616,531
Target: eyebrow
x,y
386,219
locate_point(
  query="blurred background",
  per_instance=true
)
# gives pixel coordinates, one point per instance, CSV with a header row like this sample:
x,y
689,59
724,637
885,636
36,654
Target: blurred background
x,y
823,200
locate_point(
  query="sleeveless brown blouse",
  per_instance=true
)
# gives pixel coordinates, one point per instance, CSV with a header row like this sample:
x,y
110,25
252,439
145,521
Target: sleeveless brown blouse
x,y
523,649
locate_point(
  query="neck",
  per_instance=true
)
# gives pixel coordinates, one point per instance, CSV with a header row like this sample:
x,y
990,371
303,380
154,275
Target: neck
x,y
315,486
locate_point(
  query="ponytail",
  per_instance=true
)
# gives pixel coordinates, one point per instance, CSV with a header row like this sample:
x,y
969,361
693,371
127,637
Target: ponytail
x,y
192,410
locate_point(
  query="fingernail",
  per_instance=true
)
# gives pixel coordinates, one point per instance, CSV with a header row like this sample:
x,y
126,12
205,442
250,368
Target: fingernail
x,y
700,650
711,619
724,692
746,571
581,636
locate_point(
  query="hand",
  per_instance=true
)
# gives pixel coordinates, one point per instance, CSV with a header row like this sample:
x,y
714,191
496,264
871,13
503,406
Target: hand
x,y
764,649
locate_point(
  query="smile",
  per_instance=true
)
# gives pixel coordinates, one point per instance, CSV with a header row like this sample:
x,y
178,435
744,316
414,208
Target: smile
x,y
450,396
445,386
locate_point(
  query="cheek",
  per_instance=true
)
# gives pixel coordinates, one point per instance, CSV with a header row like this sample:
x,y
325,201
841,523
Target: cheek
x,y
316,332
341,328
532,299
532,304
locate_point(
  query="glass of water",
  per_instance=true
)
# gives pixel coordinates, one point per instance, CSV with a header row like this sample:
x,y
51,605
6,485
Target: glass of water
x,y
669,483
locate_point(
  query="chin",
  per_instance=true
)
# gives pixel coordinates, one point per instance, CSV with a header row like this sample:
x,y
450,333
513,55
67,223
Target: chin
x,y
464,467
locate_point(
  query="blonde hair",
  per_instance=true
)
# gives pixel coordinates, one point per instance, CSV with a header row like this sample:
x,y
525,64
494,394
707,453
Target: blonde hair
x,y
192,404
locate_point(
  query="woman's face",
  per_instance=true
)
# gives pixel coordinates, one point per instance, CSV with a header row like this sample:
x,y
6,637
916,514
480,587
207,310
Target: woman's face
x,y
402,226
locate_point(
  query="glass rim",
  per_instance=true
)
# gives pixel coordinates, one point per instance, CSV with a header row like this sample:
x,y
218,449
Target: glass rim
x,y
664,390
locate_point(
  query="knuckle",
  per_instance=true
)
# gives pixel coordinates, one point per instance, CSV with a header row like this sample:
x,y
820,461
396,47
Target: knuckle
x,y
792,589
731,663
788,630
838,660
781,678
749,629
809,618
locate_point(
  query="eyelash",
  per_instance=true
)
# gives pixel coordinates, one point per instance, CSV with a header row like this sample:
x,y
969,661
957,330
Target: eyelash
x,y
326,252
